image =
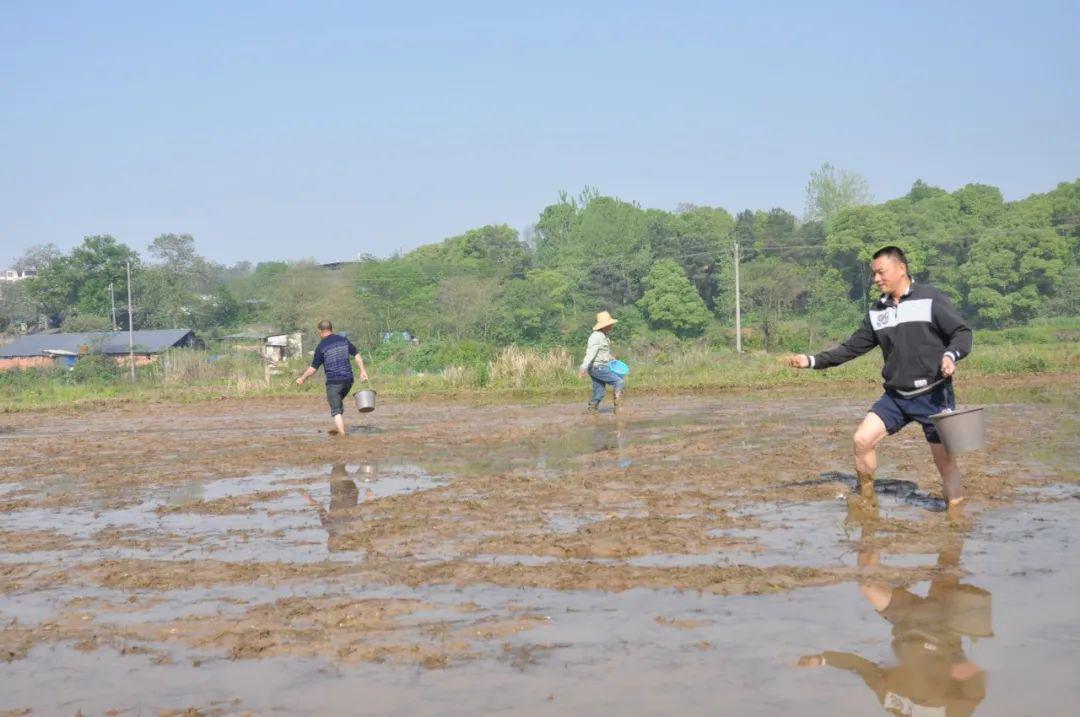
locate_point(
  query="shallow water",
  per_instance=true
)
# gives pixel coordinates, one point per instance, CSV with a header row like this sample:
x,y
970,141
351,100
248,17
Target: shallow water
x,y
171,523
649,652
978,618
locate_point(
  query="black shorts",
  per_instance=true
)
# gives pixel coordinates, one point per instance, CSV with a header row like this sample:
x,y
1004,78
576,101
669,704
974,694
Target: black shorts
x,y
336,391
895,411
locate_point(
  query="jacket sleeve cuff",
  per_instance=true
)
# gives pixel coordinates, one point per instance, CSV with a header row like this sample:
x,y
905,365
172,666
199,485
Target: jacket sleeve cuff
x,y
813,363
955,356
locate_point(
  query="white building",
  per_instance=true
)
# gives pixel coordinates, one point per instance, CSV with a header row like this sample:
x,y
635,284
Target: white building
x,y
17,274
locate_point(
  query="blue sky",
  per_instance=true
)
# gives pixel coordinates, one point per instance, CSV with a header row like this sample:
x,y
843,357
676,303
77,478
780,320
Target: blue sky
x,y
291,130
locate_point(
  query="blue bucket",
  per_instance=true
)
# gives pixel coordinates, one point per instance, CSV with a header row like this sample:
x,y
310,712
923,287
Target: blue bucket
x,y
618,367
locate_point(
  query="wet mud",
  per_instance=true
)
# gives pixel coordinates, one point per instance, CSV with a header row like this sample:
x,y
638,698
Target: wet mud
x,y
237,559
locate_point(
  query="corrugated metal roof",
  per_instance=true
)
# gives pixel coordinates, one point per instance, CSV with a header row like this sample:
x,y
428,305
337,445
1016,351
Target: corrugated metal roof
x,y
150,341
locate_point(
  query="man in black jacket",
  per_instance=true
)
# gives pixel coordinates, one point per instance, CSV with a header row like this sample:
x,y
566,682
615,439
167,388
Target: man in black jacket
x,y
922,337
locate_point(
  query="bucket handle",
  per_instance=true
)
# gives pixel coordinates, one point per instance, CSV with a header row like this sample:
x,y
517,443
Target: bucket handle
x,y
370,385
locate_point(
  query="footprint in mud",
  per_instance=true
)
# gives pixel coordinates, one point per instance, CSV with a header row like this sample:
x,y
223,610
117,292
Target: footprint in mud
x,y
903,490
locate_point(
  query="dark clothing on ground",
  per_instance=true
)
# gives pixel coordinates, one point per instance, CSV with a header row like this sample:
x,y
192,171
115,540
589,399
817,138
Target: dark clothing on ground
x,y
896,411
336,392
913,333
334,353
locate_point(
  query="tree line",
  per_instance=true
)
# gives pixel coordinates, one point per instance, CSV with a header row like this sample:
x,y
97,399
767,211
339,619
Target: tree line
x,y
661,272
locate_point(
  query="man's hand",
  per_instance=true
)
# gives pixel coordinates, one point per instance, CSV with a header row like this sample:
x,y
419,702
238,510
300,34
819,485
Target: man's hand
x,y
948,366
300,380
363,375
582,374
798,361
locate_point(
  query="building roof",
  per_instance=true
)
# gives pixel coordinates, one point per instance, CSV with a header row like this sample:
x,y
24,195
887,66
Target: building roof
x,y
107,342
246,336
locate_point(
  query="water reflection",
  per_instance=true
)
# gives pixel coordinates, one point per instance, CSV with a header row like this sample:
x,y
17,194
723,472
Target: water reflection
x,y
931,675
612,437
344,500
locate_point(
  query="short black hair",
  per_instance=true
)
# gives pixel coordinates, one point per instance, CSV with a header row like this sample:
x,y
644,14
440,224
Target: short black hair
x,y
896,253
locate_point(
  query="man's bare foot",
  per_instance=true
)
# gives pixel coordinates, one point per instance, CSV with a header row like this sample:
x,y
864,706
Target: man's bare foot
x,y
955,511
333,431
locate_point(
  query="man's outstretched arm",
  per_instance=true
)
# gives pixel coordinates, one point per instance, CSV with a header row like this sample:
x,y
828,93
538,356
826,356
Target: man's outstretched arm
x,y
854,346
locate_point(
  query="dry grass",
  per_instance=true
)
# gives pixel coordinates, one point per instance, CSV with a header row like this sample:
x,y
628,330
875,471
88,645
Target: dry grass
x,y
244,373
519,368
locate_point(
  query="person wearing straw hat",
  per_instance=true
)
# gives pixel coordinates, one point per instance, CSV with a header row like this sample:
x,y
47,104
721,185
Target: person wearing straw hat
x,y
922,337
595,364
333,354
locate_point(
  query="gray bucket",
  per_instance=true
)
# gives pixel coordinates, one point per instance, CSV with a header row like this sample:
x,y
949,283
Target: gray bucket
x,y
961,431
365,400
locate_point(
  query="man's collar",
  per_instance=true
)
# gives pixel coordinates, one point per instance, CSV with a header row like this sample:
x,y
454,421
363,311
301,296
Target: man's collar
x,y
887,298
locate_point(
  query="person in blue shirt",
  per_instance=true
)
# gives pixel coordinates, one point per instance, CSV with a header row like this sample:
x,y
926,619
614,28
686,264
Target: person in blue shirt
x,y
333,354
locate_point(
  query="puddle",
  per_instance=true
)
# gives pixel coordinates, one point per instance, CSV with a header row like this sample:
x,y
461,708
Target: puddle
x,y
356,598
291,517
995,633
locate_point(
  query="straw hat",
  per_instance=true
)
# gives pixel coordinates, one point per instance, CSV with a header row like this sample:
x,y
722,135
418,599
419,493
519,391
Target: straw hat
x,y
604,319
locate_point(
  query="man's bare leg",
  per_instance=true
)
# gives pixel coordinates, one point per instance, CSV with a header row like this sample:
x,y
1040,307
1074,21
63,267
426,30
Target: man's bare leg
x,y
339,425
952,487
867,436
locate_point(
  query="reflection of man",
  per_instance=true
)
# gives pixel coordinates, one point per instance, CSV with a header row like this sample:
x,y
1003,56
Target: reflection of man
x,y
934,678
922,337
344,497
608,438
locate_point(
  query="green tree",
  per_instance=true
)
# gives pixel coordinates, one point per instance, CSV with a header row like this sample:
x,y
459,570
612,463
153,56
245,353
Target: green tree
x,y
37,257
533,310
745,232
492,250
776,232
770,290
395,293
831,190
851,239
79,282
671,302
466,307
16,308
1011,273
79,323
176,287
699,238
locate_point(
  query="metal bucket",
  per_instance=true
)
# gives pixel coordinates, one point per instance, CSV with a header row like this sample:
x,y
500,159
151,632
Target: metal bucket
x,y
365,400
961,431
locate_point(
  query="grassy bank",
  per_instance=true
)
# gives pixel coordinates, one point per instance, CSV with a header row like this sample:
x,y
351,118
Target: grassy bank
x,y
514,373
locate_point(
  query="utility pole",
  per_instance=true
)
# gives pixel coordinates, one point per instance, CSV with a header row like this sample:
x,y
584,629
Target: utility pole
x,y
738,309
131,326
112,304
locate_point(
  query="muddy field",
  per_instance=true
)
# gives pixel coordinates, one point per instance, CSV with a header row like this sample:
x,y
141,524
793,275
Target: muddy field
x,y
692,554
